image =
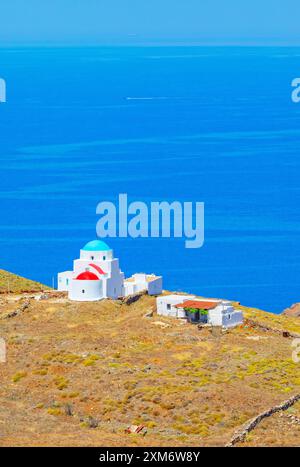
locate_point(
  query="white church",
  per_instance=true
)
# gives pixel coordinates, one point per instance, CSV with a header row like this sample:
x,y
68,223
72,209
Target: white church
x,y
97,275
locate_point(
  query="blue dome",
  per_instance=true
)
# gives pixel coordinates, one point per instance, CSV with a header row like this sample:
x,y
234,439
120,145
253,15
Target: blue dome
x,y
96,245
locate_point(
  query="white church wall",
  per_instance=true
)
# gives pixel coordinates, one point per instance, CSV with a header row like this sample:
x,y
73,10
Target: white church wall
x,y
114,266
96,255
85,290
64,280
80,265
114,286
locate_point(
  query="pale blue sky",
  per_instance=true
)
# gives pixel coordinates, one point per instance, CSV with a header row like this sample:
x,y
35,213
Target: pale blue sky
x,y
263,22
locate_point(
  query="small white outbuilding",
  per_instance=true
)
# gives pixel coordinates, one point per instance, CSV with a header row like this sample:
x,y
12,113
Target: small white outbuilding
x,y
138,282
225,315
213,312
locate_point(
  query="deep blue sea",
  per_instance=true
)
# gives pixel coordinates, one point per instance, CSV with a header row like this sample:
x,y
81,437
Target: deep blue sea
x,y
220,128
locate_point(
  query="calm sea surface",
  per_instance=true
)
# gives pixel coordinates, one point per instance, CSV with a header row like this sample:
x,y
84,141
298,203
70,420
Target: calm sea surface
x,y
220,127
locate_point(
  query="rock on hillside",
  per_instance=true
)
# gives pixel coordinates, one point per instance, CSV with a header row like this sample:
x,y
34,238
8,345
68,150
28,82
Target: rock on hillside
x,y
294,310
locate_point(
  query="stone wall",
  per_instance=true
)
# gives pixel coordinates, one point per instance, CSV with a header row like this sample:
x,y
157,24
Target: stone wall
x,y
241,434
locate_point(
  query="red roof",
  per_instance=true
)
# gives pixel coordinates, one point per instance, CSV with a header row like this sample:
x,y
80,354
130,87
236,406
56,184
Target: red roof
x,y
97,268
198,304
87,276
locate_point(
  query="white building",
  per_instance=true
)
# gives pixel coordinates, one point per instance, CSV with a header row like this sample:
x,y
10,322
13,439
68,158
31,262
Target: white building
x,y
166,305
96,275
225,315
139,282
215,312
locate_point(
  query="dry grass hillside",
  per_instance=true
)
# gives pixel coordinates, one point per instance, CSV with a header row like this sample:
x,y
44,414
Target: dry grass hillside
x,y
80,373
11,283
